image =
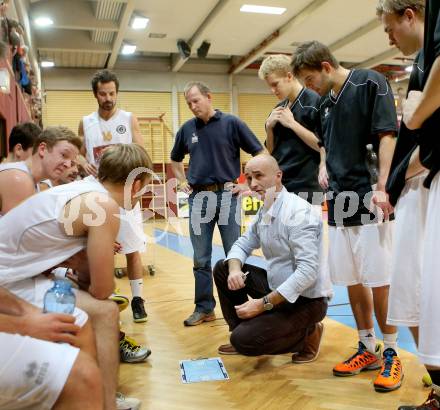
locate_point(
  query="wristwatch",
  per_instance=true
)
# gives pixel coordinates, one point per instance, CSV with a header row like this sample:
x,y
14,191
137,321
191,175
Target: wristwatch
x,y
266,304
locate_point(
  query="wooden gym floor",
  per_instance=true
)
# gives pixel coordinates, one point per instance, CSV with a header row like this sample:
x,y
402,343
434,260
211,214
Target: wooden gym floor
x,y
266,382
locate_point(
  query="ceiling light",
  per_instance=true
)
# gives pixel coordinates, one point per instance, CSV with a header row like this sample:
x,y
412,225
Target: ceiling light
x,y
43,21
139,23
128,49
409,69
250,8
47,64
157,35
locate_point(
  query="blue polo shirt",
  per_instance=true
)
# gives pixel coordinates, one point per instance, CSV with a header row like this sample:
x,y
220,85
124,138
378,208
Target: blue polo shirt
x,y
214,148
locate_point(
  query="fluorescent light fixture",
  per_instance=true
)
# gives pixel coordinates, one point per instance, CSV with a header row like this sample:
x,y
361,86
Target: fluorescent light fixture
x,y
128,49
409,69
250,8
139,23
47,64
157,35
43,21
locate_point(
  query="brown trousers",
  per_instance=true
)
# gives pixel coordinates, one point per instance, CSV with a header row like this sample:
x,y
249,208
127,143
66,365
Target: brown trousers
x,y
280,330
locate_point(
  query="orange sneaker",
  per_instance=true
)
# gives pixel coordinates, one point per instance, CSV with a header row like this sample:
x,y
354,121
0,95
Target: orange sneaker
x,y
360,361
391,375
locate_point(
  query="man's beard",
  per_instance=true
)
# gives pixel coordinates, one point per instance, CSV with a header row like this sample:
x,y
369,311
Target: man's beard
x,y
107,106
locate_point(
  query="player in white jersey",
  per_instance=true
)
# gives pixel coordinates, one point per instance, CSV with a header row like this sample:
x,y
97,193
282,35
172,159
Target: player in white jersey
x,y
422,113
74,225
111,125
21,141
53,152
42,367
130,351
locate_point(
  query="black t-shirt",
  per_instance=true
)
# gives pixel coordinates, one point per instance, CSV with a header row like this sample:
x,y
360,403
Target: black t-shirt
x,y
350,121
406,141
214,148
297,160
429,140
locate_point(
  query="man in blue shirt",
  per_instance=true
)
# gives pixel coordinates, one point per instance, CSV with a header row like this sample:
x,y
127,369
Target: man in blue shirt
x,y
213,141
289,299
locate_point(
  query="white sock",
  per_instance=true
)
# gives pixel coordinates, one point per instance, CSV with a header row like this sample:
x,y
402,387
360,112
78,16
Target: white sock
x,y
368,338
436,389
137,287
390,340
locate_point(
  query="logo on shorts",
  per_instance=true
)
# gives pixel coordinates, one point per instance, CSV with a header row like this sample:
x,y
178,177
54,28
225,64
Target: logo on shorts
x,y
31,370
121,129
37,371
194,138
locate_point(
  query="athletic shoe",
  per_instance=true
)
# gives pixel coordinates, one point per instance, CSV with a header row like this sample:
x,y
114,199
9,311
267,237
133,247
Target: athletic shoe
x,y
120,272
121,300
426,380
127,403
227,349
132,352
138,308
197,318
431,403
391,375
360,361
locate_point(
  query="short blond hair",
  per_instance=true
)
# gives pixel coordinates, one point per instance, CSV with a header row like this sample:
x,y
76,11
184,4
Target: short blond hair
x,y
119,160
53,135
277,63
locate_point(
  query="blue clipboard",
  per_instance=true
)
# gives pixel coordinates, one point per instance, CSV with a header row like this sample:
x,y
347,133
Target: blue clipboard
x,y
203,370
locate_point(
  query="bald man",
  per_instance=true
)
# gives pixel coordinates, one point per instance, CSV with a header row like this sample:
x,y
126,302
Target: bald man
x,y
288,300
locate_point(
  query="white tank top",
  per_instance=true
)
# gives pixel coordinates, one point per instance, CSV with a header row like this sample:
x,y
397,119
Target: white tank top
x,y
99,133
21,165
36,241
48,182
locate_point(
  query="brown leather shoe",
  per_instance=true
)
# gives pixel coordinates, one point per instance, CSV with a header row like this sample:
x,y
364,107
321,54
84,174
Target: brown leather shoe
x,y
227,349
312,344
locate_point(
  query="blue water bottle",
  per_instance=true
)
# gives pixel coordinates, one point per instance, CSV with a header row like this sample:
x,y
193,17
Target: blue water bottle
x,y
60,298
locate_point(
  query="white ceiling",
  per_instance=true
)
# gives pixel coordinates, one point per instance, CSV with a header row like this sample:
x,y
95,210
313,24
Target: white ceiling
x,y
91,33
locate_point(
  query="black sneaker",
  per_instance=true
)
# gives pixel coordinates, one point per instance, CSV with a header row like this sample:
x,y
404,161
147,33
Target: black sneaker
x,y
137,306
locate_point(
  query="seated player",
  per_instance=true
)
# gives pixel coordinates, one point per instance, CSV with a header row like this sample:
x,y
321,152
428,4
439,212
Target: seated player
x,y
75,225
21,141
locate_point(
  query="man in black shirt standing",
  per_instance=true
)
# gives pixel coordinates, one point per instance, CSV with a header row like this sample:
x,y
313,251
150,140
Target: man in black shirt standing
x,y
422,113
357,109
403,21
291,129
213,141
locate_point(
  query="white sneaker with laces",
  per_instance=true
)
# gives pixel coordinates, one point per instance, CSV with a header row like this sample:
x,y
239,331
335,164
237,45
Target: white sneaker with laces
x,y
127,403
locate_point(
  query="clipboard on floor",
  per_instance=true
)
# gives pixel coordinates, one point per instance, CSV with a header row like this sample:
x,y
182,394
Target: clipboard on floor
x,y
203,370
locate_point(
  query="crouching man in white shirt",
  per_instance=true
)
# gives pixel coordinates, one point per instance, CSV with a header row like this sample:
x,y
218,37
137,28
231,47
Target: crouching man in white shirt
x,y
288,300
